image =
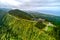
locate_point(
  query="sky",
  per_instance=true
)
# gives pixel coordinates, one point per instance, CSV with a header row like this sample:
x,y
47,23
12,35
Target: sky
x,y
45,6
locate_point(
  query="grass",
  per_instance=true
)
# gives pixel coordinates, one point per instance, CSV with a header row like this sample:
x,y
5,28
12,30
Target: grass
x,y
14,28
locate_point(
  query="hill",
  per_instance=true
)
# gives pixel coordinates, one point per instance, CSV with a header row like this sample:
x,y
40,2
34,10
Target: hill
x,y
17,25
13,28
3,11
51,18
20,14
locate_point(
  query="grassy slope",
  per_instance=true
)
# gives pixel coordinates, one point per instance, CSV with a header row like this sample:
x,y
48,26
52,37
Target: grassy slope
x,y
53,19
13,28
20,14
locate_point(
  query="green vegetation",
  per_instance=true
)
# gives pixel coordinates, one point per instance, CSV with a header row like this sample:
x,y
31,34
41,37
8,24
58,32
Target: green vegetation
x,y
20,14
51,18
17,25
22,29
40,25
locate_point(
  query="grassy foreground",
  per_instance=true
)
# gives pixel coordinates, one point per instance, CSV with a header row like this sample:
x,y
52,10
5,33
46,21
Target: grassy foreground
x,y
13,28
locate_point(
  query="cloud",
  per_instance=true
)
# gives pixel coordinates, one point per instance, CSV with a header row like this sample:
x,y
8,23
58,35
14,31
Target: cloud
x,y
52,6
29,4
10,3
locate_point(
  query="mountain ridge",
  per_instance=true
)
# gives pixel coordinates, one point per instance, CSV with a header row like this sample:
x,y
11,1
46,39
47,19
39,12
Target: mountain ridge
x,y
19,28
15,25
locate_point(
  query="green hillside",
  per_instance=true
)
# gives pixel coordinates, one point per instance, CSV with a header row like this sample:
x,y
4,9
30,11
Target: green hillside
x,y
20,14
2,12
18,25
51,18
14,28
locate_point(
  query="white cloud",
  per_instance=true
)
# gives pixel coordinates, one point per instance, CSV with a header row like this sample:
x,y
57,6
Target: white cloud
x,y
30,4
34,5
10,2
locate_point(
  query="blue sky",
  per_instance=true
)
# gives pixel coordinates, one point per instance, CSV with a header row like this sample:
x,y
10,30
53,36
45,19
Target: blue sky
x,y
45,6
